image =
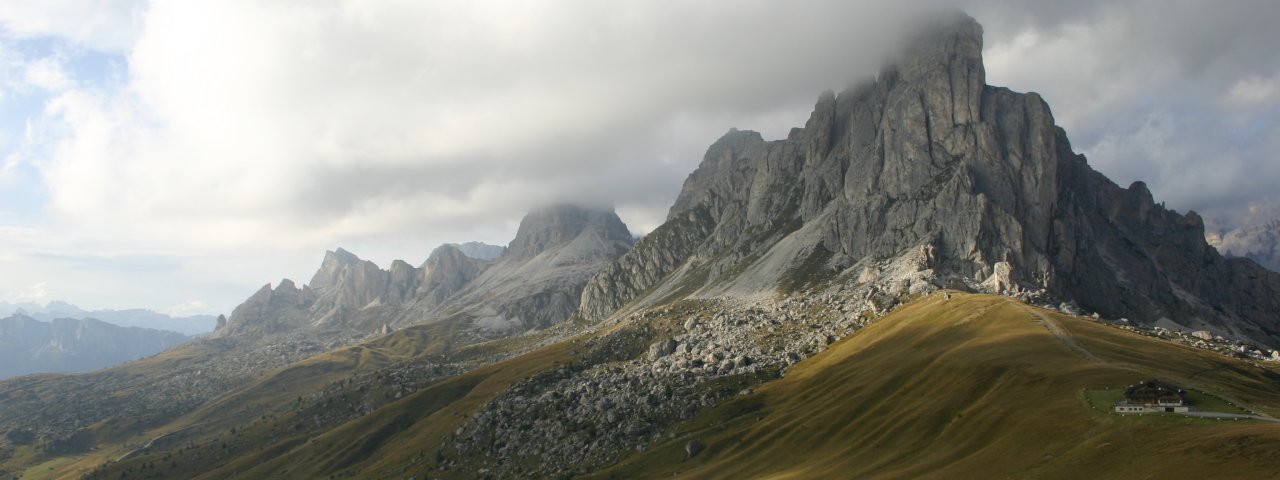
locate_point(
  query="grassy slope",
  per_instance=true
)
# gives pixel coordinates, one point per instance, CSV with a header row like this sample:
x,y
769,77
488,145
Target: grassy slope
x,y
398,433
275,388
48,387
272,449
970,387
974,387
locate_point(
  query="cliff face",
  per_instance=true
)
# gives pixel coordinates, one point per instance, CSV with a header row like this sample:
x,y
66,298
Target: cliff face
x,y
281,309
446,271
928,158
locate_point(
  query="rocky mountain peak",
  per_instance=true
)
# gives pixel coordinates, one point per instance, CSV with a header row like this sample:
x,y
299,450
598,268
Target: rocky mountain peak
x,y
269,311
335,263
945,58
286,286
447,269
557,225
444,256
927,158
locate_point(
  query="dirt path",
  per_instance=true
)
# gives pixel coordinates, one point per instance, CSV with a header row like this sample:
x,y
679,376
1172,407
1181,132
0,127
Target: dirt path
x,y
151,443
1230,416
1066,338
1062,335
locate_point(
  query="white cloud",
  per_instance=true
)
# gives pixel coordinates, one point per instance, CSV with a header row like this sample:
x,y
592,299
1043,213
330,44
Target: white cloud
x,y
190,307
1254,91
32,293
49,74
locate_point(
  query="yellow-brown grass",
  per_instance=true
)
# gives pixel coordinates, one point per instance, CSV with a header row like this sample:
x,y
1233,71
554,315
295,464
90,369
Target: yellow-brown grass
x,y
975,387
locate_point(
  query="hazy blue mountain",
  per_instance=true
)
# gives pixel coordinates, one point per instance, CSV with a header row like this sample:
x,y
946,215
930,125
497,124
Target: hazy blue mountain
x,y
134,317
28,345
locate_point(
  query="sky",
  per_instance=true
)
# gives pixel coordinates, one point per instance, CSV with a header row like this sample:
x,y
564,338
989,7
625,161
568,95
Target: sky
x,y
177,155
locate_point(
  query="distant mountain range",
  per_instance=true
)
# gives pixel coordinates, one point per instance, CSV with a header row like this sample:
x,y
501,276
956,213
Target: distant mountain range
x,y
28,345
134,317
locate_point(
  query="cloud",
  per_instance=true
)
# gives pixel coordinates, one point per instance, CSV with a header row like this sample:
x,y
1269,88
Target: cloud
x,y
102,24
47,73
32,293
292,123
1254,91
188,308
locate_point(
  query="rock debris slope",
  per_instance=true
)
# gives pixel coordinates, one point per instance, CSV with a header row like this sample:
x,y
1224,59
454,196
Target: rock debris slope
x,y
975,180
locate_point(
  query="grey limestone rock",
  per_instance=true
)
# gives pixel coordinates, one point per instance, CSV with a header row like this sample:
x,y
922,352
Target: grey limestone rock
x,y
693,448
538,280
927,156
271,310
535,282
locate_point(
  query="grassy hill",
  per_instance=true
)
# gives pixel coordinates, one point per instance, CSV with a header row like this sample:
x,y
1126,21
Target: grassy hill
x,y
977,387
973,386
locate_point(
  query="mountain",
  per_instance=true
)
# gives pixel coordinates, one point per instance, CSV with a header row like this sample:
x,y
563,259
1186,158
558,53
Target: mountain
x,y
535,282
134,317
811,308
479,250
538,280
1260,243
973,186
30,346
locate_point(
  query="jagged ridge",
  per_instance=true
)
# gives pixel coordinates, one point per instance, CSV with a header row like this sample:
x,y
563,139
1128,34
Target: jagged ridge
x,y
927,157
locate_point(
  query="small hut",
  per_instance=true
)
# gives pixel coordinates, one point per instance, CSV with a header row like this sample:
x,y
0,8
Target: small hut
x,y
1153,396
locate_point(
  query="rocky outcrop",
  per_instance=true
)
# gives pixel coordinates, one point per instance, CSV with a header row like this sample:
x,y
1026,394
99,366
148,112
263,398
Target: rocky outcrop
x,y
29,346
447,271
651,260
560,225
539,280
346,284
282,309
927,156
